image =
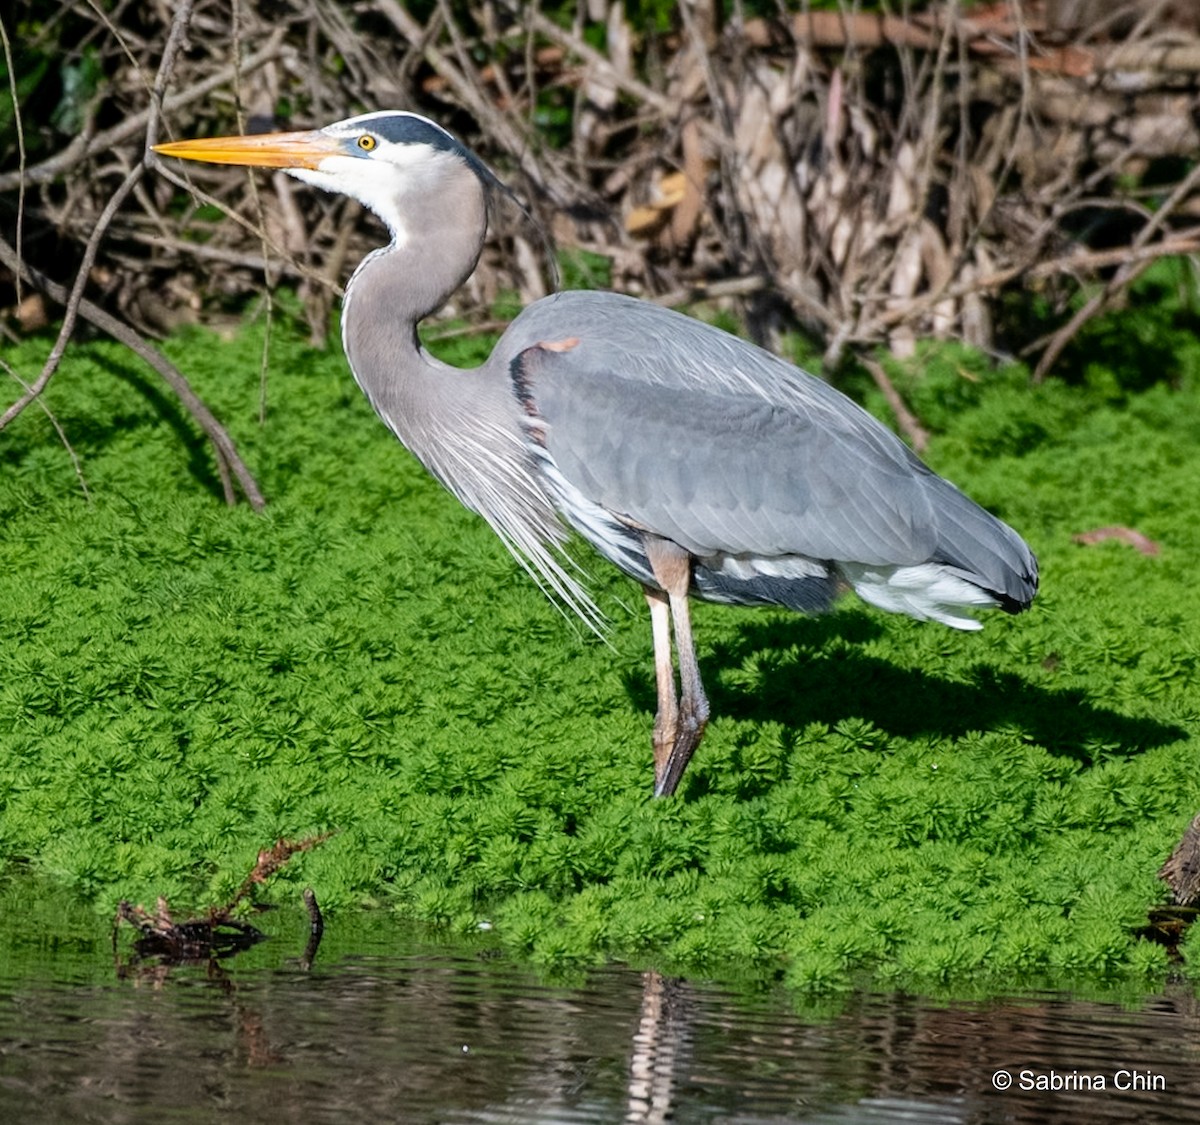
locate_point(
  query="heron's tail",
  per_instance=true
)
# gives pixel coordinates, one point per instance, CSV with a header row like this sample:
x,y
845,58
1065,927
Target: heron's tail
x,y
983,550
978,561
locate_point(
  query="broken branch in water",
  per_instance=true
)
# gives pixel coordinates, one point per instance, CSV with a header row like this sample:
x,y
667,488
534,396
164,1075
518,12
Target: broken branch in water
x,y
216,933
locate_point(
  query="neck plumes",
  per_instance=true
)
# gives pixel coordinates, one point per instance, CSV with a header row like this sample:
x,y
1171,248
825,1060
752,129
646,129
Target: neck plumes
x,y
465,426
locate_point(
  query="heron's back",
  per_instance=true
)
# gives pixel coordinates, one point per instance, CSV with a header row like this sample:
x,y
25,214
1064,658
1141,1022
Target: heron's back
x,y
781,488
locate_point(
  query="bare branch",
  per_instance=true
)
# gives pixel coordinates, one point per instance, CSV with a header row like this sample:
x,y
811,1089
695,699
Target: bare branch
x,y
174,40
84,147
908,422
12,87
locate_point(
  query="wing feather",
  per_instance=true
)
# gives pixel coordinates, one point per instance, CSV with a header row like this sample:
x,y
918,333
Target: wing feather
x,y
682,429
723,471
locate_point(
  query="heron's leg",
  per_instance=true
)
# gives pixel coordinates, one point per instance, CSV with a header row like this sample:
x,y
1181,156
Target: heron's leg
x,y
672,567
693,703
666,721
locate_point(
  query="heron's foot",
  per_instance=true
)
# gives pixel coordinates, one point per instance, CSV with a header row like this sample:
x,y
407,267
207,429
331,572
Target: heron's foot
x,y
666,730
692,719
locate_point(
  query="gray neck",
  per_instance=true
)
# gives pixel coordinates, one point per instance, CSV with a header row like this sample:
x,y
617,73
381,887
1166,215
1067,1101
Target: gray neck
x,y
395,288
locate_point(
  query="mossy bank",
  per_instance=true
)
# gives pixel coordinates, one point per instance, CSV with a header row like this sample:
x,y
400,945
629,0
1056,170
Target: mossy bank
x,y
183,683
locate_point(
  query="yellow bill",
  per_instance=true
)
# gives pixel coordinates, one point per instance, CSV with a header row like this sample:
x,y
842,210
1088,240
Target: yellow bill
x,y
263,150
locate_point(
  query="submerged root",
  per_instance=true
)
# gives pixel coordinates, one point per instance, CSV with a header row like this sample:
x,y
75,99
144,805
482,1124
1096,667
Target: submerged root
x,y
217,934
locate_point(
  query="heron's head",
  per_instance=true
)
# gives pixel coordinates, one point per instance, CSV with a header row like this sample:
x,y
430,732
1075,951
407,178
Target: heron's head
x,y
384,160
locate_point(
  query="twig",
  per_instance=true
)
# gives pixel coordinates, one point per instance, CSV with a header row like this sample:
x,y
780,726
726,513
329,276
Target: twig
x,y
256,199
269,861
62,436
1125,275
908,422
496,123
73,298
316,928
1143,544
543,25
174,42
206,251
17,119
1077,262
203,250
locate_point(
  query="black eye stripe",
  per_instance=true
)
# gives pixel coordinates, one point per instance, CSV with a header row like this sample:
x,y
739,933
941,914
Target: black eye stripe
x,y
410,129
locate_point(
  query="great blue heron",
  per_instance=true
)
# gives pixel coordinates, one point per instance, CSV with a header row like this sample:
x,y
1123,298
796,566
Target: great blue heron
x,y
696,462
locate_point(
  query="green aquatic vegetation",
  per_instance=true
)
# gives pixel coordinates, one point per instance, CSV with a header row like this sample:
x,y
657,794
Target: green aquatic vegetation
x,y
183,684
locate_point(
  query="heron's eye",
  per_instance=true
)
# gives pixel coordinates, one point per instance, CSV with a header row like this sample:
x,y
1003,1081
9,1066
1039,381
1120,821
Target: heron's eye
x,y
366,142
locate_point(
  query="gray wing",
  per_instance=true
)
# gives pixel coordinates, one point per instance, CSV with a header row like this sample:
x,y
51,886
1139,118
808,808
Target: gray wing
x,y
690,433
681,429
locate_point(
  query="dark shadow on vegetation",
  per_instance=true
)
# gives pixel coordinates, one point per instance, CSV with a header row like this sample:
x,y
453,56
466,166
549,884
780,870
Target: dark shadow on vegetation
x,y
1146,339
1138,359
199,451
89,432
803,680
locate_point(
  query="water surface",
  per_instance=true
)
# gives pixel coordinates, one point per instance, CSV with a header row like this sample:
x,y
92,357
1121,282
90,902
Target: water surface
x,y
388,1025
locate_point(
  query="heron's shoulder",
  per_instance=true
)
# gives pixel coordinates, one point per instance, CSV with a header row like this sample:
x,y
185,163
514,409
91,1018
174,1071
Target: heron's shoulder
x,y
651,345
613,313
595,313
643,339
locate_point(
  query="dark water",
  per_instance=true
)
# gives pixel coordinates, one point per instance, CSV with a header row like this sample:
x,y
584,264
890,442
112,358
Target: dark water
x,y
386,1026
